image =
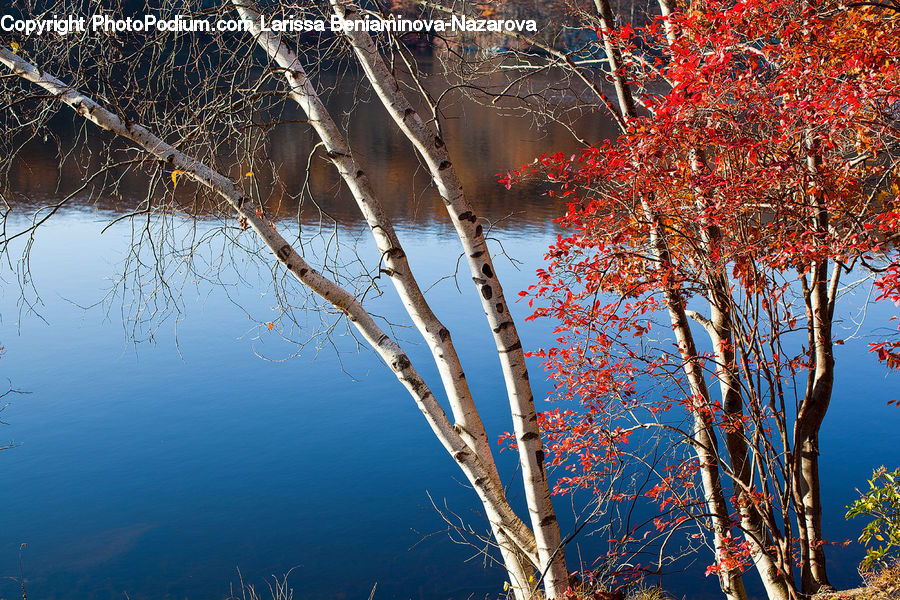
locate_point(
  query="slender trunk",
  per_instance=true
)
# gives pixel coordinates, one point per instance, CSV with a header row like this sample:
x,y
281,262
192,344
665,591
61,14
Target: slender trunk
x,y
705,446
820,303
704,438
720,330
806,437
393,255
777,583
427,141
438,337
730,581
614,58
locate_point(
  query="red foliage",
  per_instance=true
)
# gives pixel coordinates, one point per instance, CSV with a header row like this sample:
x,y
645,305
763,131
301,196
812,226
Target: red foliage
x,y
771,153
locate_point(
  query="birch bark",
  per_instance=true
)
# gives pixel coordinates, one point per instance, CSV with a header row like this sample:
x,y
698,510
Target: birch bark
x,y
438,337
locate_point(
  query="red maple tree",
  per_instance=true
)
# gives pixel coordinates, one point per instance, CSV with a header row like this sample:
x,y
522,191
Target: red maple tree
x,y
756,168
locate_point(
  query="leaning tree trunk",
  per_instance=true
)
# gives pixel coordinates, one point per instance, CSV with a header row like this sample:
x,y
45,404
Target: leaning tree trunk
x,y
705,445
431,147
704,438
719,327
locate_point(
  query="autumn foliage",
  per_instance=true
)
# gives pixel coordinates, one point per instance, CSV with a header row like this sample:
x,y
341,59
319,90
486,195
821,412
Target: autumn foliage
x,y
703,252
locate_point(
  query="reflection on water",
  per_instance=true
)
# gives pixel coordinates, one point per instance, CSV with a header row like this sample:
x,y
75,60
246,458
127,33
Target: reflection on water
x,y
89,551
484,141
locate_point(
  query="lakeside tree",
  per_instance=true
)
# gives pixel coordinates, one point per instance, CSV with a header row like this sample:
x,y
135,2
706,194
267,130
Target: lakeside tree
x,y
757,167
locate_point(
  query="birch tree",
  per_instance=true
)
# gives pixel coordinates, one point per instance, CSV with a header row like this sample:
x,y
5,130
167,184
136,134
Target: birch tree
x,y
531,549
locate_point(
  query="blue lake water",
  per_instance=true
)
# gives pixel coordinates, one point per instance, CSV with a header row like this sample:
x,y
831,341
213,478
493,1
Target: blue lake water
x,y
157,470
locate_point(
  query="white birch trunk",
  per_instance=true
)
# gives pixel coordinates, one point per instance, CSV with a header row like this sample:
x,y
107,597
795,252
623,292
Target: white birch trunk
x,y
433,150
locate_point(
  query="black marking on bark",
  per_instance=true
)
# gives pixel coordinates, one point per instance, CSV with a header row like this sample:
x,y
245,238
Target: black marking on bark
x,y
388,272
486,269
334,155
284,252
478,231
547,520
500,308
460,429
240,202
529,436
479,280
480,481
303,272
417,386
360,173
539,455
468,216
478,254
290,266
461,456
171,160
514,347
487,292
408,113
444,334
400,363
438,142
502,326
462,376
445,164
396,253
